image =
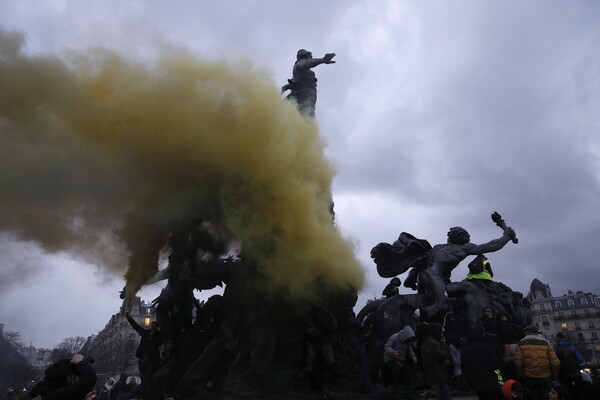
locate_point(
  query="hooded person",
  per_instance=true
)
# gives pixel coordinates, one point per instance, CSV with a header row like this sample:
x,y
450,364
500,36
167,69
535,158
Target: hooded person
x,y
398,355
59,382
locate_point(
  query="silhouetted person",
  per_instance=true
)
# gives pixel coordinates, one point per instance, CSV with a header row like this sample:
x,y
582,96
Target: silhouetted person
x,y
456,332
436,360
118,386
480,362
391,288
148,351
128,390
570,359
59,380
488,321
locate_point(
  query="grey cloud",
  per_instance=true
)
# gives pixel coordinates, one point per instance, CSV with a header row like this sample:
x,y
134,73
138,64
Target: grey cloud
x,y
434,116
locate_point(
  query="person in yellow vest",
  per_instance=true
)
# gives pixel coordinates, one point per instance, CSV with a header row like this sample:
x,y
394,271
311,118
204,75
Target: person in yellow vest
x,y
480,268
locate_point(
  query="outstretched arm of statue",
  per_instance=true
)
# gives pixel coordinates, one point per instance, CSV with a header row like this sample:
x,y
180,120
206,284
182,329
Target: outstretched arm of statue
x,y
313,62
491,246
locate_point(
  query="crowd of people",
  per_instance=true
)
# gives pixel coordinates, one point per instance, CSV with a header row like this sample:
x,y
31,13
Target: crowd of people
x,y
492,358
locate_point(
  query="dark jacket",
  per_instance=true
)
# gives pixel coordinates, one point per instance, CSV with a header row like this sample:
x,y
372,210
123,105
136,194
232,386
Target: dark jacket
x,y
479,360
507,333
568,371
456,329
54,389
149,343
434,355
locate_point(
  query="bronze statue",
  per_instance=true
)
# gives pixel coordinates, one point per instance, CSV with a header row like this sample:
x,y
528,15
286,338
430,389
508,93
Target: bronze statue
x,y
303,85
433,267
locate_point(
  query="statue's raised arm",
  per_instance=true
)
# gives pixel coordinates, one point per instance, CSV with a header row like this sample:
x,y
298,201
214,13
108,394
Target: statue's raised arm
x,y
491,246
313,62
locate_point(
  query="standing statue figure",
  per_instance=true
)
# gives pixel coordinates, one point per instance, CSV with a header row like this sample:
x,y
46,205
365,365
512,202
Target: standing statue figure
x,y
303,85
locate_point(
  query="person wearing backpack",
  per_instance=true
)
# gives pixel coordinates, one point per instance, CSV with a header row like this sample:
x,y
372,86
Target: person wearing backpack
x,y
536,362
480,268
570,373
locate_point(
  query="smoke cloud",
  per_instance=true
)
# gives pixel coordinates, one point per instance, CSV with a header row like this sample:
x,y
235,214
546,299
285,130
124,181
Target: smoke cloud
x,y
103,158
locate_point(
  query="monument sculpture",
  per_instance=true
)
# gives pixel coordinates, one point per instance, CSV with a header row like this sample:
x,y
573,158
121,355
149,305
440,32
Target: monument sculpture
x,y
433,268
430,271
249,343
303,84
254,343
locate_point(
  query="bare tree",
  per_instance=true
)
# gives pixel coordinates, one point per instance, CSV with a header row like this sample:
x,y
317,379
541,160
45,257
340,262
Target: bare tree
x,y
14,368
13,339
68,347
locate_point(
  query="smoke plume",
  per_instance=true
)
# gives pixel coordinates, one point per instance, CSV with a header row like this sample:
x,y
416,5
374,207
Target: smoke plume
x,y
103,157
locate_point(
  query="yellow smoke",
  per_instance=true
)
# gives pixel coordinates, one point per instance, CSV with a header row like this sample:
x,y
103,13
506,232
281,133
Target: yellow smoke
x,y
104,157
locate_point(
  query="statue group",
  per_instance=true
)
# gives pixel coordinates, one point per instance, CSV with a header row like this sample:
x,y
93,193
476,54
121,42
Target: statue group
x,y
251,343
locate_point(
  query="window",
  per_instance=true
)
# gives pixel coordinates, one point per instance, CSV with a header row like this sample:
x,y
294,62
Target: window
x,y
542,307
557,304
574,314
587,312
584,301
560,315
577,325
570,303
594,336
135,310
591,324
580,336
146,321
148,311
563,325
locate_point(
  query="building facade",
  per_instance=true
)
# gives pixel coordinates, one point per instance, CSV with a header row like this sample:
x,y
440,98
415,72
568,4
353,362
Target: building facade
x,y
575,315
38,358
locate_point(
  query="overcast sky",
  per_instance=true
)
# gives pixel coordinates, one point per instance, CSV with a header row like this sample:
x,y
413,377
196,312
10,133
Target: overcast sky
x,y
435,115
